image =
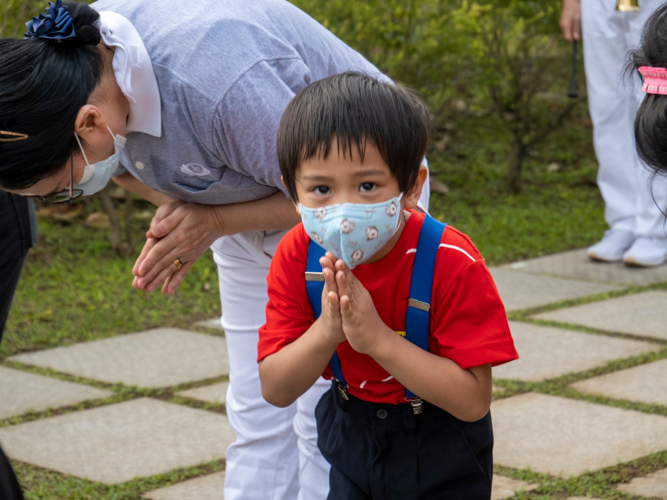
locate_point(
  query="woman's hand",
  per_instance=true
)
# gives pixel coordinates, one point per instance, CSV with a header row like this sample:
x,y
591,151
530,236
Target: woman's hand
x,y
570,20
161,213
178,230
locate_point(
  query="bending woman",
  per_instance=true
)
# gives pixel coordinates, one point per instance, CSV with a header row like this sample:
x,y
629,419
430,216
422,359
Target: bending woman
x,y
180,102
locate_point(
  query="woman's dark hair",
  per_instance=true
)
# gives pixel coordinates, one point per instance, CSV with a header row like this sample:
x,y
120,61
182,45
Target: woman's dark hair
x,y
355,109
43,84
651,119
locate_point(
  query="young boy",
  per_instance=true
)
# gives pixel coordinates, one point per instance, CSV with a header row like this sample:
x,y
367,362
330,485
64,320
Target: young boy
x,y
407,416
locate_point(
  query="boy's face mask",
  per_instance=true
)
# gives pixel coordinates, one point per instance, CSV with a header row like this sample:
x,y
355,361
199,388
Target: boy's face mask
x,y
353,232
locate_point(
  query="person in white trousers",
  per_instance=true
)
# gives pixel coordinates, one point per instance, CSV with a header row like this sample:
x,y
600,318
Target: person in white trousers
x,y
634,201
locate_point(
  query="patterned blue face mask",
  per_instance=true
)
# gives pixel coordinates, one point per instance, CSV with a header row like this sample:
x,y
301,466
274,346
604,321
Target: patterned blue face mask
x,y
353,232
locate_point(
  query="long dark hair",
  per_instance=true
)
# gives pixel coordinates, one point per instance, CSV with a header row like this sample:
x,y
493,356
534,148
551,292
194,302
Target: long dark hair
x,y
43,84
651,120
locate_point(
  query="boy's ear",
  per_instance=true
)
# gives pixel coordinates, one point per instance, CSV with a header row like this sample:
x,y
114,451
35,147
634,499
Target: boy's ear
x,y
412,196
296,205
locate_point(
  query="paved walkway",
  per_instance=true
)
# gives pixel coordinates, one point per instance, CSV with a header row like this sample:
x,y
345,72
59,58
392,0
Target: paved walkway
x,y
589,392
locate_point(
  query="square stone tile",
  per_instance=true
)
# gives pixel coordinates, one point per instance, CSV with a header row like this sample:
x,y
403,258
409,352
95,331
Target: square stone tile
x,y
155,358
504,487
576,265
116,443
644,383
209,487
639,314
213,323
653,485
212,393
21,391
558,435
521,291
546,352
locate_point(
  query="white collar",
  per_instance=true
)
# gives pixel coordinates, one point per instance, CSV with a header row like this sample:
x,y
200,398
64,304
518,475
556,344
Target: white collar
x,y
134,73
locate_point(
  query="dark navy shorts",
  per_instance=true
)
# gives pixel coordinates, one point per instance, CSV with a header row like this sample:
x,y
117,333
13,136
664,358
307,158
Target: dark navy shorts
x,y
384,451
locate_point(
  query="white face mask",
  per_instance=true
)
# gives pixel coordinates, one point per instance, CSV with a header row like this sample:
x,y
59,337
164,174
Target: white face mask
x,y
97,176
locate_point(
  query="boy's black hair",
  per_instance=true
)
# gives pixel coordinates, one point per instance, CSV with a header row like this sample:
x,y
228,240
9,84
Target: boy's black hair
x,y
651,119
43,84
355,109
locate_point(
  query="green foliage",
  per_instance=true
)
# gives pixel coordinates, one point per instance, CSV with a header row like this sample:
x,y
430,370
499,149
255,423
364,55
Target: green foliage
x,y
503,59
15,13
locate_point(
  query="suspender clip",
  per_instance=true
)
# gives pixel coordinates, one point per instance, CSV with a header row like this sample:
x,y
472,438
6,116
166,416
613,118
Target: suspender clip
x,y
343,391
416,405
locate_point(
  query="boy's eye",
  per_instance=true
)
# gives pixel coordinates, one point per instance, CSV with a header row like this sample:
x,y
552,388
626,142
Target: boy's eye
x,y
366,186
322,190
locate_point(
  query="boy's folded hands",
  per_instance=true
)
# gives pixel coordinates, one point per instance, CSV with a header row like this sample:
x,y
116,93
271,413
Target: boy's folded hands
x,y
330,317
348,308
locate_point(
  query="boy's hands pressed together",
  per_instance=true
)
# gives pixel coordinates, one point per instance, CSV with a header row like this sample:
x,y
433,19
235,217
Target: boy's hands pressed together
x,y
361,322
330,317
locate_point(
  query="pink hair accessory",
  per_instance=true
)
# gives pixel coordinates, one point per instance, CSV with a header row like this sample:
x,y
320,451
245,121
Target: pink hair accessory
x,y
655,80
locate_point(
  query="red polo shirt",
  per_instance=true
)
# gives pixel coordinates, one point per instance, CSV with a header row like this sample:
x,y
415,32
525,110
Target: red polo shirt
x,y
467,318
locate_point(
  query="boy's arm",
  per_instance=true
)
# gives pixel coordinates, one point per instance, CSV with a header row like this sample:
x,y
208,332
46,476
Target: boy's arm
x,y
288,373
466,394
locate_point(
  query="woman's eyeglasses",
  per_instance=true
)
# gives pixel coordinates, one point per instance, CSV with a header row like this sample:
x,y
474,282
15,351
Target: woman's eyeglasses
x,y
62,196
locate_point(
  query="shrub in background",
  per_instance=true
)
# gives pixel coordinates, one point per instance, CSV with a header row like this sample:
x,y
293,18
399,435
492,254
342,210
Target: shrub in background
x,y
503,59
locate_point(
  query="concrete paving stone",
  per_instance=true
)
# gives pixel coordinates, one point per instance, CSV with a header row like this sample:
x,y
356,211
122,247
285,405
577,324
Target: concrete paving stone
x,y
116,443
653,485
644,383
212,393
639,314
154,358
522,291
556,435
209,487
213,323
504,487
21,391
546,352
576,265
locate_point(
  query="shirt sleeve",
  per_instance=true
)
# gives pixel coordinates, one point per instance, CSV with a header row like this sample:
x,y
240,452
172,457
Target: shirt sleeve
x,y
288,312
471,323
246,122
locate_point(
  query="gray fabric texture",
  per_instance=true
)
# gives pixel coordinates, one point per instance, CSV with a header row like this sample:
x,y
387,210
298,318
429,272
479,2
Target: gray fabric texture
x,y
226,70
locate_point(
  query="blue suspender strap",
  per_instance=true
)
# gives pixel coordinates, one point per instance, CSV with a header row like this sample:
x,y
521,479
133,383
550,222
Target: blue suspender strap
x,y
419,304
314,287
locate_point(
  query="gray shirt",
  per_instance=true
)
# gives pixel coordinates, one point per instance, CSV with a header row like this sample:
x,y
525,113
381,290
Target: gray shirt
x,y
225,70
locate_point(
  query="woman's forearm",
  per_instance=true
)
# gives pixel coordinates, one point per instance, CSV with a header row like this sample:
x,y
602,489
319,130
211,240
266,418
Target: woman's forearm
x,y
466,394
274,212
285,375
130,183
